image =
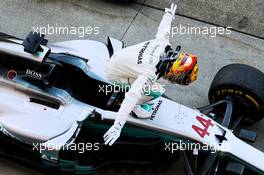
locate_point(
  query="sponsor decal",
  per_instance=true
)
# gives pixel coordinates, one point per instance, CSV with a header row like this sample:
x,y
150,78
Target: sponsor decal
x,y
237,93
153,115
206,124
33,74
141,52
229,91
11,74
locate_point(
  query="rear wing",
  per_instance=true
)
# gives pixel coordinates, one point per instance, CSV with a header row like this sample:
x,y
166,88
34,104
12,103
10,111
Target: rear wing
x,y
32,48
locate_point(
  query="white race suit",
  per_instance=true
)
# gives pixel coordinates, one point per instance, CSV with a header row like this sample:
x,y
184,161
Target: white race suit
x,y
136,66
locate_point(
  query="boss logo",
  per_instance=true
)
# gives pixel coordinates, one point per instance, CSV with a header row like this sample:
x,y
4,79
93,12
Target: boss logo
x,y
33,74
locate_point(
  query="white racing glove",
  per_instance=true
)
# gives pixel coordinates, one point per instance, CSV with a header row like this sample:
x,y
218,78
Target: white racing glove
x,y
172,10
113,133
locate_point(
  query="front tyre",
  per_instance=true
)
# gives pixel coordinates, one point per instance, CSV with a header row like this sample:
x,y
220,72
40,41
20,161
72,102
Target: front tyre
x,y
245,84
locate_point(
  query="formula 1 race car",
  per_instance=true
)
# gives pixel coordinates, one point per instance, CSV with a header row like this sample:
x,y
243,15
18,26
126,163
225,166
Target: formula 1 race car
x,y
56,104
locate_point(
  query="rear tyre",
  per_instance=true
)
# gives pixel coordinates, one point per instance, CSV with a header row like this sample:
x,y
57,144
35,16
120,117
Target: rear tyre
x,y
245,84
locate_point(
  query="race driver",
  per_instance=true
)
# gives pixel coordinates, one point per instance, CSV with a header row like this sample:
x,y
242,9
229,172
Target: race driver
x,y
139,66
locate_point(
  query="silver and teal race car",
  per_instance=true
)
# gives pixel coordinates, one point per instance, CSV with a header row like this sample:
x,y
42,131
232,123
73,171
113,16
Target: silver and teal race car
x,y
56,104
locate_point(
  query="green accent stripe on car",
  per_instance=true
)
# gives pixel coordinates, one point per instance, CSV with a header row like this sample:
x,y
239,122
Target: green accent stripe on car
x,y
81,169
146,106
154,94
50,164
67,165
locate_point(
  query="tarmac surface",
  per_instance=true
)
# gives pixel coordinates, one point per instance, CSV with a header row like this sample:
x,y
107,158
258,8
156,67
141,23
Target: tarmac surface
x,y
242,15
134,23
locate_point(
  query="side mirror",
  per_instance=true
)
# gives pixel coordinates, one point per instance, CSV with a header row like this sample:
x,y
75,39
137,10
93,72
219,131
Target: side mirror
x,y
32,43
